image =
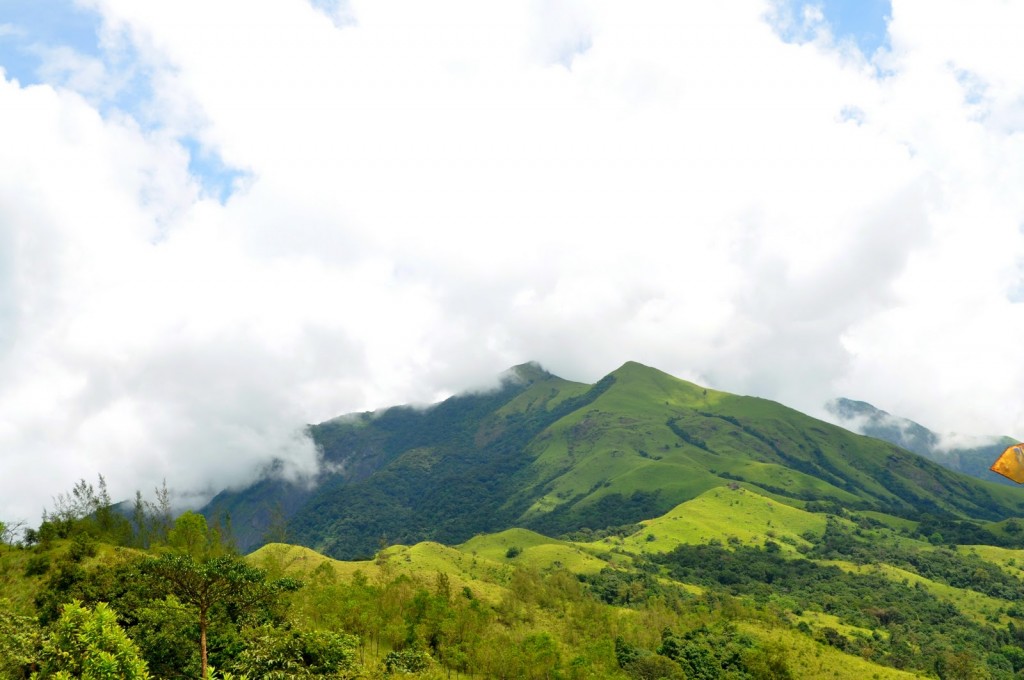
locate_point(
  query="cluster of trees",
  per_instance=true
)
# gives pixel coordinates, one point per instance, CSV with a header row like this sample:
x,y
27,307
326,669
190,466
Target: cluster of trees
x,y
897,624
705,653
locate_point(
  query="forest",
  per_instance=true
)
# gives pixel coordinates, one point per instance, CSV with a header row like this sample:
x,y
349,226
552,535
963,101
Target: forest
x,y
98,592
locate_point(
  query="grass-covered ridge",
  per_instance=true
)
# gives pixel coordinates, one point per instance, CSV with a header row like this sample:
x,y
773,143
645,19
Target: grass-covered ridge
x,y
557,456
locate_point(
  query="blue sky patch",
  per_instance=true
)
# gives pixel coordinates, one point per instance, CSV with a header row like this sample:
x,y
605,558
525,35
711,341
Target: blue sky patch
x,y
29,27
865,22
216,178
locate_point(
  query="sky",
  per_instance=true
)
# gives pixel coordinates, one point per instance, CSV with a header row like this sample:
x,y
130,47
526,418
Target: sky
x,y
221,221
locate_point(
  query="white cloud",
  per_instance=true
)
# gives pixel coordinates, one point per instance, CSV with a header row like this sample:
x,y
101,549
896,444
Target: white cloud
x,y
436,192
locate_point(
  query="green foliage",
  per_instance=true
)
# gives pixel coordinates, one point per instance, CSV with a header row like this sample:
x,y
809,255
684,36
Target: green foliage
x,y
409,660
942,565
711,653
190,535
654,667
19,641
85,511
275,654
37,565
90,645
217,582
628,587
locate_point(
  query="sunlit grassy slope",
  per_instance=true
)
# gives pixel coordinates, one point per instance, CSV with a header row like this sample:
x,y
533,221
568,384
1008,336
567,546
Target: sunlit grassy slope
x,y
809,659
657,437
726,515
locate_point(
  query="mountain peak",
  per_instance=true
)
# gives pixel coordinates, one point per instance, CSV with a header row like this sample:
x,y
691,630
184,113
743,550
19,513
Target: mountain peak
x,y
527,373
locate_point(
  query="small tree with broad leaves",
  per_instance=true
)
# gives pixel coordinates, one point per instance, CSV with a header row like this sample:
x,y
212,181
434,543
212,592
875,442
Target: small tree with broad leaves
x,y
206,584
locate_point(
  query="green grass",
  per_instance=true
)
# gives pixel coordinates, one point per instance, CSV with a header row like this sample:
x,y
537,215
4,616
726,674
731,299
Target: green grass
x,y
20,590
808,659
724,514
16,588
494,546
423,561
895,523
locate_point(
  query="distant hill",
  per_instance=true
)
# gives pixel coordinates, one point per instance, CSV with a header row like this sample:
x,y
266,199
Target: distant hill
x,y
556,456
862,417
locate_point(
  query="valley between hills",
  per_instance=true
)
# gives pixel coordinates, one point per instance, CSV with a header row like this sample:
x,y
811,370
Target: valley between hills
x,y
640,527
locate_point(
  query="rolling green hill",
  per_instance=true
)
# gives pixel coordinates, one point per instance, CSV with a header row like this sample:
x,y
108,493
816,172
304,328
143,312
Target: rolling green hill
x,y
555,456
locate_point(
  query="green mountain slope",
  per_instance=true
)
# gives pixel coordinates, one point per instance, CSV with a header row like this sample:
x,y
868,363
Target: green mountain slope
x,y
556,456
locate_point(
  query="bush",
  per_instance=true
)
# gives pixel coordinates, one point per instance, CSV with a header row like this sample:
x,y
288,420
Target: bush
x,y
90,645
654,667
272,652
409,660
37,565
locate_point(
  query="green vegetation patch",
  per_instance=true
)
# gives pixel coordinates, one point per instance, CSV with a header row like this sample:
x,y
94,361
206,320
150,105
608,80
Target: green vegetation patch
x,y
727,515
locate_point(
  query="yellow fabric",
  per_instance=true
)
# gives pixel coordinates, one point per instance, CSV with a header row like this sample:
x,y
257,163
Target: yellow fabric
x,y
1011,463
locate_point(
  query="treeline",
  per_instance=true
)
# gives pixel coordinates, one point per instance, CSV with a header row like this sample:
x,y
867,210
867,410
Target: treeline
x,y
86,512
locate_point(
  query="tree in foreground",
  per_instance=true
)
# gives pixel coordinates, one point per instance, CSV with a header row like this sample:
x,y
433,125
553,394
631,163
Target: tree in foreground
x,y
221,581
90,645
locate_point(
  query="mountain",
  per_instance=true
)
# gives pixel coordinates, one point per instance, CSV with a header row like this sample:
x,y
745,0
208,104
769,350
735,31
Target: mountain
x,y
556,456
862,417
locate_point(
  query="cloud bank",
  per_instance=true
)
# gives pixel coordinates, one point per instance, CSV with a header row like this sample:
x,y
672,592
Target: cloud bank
x,y
219,222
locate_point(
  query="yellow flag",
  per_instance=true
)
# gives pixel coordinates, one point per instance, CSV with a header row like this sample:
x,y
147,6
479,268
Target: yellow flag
x,y
1011,463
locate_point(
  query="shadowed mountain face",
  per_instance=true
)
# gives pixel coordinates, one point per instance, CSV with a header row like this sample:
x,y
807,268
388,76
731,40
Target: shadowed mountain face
x,y
556,456
975,461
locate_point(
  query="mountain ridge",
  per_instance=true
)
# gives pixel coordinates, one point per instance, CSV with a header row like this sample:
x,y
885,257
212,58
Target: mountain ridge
x,y
556,456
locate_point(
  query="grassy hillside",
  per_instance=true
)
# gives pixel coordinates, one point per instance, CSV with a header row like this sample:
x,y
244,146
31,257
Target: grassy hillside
x,y
652,440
